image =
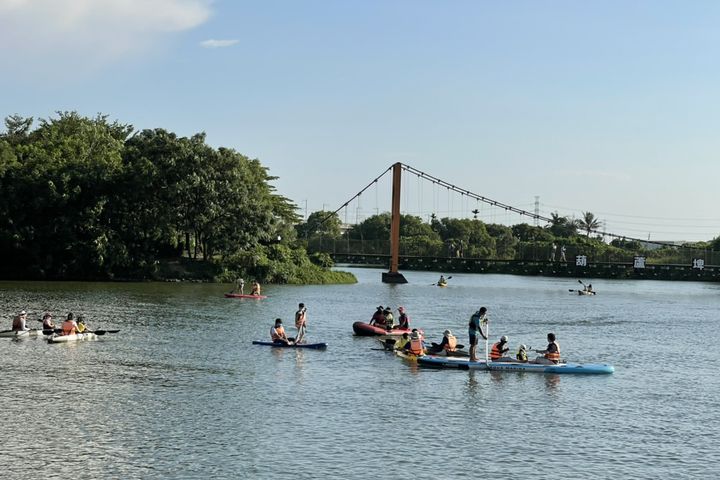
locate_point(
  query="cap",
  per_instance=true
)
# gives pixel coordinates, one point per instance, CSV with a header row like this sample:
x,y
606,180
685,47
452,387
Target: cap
x,y
504,338
415,335
23,312
447,332
522,347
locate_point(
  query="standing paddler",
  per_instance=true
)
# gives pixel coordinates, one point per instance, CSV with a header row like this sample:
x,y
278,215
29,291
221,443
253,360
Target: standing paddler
x,y
475,328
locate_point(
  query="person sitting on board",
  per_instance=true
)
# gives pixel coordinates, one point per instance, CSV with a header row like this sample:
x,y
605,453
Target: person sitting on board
x,y
19,323
255,288
447,344
300,322
416,345
48,323
378,318
403,319
389,319
551,355
69,327
81,327
475,327
499,350
402,342
521,354
442,280
277,333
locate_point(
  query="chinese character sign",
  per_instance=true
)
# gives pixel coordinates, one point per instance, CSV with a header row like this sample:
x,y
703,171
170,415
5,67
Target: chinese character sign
x,y
639,262
698,263
581,261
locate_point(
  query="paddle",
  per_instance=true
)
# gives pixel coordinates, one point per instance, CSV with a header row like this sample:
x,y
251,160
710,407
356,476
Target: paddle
x,y
101,332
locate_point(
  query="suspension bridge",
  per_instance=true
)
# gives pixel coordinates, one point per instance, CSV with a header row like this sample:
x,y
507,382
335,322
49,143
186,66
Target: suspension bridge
x,y
541,257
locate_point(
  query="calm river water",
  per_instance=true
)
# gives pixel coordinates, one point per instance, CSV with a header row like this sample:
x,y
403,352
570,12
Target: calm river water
x,y
182,393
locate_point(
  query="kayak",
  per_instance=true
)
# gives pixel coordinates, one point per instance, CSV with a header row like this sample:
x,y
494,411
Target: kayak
x,y
76,337
442,284
365,330
243,295
316,346
466,364
583,292
24,333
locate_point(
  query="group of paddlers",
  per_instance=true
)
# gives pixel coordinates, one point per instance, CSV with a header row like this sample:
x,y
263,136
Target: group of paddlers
x,y
278,334
69,327
477,328
384,318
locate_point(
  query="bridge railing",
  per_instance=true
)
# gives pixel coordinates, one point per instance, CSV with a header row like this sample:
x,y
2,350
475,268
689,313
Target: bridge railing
x,y
523,251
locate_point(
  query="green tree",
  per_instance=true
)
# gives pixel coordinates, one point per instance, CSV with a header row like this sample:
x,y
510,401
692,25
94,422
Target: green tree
x,y
562,226
589,223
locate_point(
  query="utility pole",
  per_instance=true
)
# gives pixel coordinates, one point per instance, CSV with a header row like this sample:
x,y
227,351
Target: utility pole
x,y
537,210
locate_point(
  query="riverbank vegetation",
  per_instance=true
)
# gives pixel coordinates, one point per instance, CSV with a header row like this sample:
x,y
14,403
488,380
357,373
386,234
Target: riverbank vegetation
x,y
561,239
89,198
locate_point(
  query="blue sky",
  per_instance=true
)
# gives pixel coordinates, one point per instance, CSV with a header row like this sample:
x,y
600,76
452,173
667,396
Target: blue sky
x,y
603,106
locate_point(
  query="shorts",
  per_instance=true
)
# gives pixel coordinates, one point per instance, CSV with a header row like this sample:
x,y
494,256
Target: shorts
x,y
473,339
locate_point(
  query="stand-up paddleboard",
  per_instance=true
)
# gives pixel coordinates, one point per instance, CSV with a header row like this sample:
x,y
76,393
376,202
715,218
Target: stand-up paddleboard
x,y
466,364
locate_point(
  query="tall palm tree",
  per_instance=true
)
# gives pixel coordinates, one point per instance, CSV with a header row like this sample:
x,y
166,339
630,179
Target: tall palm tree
x,y
589,223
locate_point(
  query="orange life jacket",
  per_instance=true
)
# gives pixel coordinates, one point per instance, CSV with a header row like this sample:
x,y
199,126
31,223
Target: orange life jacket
x,y
554,356
451,344
69,327
416,346
495,353
277,333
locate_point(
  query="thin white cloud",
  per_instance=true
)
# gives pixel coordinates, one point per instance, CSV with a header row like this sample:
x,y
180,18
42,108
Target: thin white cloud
x,y
211,43
86,32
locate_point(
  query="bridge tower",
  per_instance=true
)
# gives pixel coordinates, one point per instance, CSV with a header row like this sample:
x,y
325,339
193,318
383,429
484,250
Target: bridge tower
x,y
393,276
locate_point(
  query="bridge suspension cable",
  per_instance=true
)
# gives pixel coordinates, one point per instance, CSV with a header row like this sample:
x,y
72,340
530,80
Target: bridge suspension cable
x,y
519,211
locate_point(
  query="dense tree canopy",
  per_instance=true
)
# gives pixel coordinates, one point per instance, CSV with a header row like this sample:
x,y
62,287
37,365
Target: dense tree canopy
x,y
89,198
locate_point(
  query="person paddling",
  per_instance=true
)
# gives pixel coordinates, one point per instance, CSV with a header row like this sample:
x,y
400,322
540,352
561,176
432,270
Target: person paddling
x,y
19,323
378,318
551,355
448,343
475,327
499,351
442,281
47,321
277,333
81,326
403,319
416,345
69,326
300,322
